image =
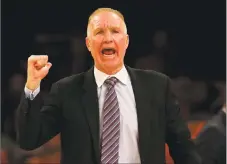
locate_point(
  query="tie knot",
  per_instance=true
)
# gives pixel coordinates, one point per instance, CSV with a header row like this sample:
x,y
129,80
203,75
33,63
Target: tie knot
x,y
111,82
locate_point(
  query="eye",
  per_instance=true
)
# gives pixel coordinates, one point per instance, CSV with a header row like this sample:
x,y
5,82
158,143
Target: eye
x,y
115,31
99,32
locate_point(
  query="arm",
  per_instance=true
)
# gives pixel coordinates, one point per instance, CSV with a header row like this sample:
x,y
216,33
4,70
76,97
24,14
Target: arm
x,y
31,94
211,145
178,137
38,121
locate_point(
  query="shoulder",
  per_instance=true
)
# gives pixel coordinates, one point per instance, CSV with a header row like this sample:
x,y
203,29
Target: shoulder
x,y
212,129
215,125
70,81
149,75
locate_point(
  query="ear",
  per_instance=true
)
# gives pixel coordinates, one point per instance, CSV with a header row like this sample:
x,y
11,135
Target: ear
x,y
88,44
127,41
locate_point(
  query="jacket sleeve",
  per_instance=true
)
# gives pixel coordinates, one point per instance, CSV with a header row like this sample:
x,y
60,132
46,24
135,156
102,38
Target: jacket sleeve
x,y
178,138
38,120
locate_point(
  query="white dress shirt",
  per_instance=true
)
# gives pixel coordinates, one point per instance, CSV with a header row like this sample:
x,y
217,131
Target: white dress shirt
x,y
128,146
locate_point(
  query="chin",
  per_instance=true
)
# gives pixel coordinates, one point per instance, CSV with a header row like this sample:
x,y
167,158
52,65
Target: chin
x,y
111,64
112,67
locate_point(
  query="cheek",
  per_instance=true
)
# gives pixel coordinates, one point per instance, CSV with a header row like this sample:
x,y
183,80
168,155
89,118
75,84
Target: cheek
x,y
121,42
96,43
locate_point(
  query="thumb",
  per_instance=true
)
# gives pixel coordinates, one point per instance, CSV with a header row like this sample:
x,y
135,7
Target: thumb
x,y
47,66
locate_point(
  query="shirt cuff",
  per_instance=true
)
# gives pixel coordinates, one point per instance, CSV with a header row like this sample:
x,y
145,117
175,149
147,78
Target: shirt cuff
x,y
31,94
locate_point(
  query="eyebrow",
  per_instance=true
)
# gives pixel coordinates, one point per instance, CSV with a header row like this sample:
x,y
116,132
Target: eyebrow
x,y
99,28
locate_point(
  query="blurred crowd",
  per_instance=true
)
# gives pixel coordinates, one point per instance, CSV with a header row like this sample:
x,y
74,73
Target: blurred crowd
x,y
198,99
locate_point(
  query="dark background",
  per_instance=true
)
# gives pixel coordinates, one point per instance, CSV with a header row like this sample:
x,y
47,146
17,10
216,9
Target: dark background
x,y
197,26
194,56
196,37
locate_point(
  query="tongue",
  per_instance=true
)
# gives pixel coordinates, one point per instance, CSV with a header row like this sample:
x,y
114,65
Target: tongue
x,y
108,52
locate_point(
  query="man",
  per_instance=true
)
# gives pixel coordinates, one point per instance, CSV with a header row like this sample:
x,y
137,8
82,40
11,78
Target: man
x,y
211,142
110,114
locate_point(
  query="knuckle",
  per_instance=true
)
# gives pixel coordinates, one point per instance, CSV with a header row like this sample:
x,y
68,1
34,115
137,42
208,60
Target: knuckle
x,y
30,57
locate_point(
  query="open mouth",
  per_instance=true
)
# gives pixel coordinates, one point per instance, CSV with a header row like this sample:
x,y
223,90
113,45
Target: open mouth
x,y
108,51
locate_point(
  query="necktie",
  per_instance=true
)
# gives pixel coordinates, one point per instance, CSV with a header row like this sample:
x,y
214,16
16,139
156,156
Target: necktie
x,y
111,125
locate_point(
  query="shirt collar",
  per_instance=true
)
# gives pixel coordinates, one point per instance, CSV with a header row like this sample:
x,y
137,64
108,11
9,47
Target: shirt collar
x,y
100,77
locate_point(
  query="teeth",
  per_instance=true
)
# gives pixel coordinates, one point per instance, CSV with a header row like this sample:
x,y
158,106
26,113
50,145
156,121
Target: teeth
x,y
109,54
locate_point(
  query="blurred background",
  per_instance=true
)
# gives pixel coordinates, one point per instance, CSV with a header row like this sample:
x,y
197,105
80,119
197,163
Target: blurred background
x,y
183,39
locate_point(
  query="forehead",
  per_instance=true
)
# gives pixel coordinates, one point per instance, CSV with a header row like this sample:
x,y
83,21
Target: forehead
x,y
105,19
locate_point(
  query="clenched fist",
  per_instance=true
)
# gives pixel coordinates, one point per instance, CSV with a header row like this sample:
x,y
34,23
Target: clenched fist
x,y
38,68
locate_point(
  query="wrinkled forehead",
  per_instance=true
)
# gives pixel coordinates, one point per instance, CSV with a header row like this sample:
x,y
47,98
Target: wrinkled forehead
x,y
105,20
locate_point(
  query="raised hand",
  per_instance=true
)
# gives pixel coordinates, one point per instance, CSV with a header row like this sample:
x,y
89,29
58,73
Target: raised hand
x,y
38,67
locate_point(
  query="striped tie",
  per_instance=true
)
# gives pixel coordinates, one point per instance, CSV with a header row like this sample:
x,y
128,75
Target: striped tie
x,y
111,125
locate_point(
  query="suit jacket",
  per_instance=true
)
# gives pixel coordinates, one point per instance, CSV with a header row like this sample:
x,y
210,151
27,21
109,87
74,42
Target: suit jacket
x,y
211,142
72,110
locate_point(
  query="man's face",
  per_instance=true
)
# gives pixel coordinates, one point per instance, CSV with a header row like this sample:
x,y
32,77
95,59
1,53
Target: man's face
x,y
107,41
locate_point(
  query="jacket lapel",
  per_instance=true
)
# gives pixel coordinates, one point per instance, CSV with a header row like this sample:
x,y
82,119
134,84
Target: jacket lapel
x,y
145,117
90,102
147,120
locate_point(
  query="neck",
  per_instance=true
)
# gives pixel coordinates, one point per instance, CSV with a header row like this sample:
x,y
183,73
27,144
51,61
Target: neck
x,y
109,71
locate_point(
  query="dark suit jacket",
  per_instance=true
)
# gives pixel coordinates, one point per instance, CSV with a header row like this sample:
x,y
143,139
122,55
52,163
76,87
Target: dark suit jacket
x,y
72,110
211,142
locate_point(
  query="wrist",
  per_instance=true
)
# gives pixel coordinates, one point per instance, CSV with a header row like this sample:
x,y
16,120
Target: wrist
x,y
32,85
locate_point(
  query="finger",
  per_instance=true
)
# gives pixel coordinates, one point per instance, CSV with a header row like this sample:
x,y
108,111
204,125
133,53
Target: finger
x,y
44,58
46,67
33,59
42,61
39,65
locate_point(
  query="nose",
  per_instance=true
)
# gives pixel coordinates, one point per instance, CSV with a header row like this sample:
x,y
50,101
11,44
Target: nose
x,y
108,37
